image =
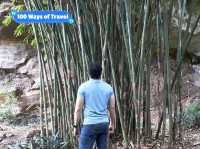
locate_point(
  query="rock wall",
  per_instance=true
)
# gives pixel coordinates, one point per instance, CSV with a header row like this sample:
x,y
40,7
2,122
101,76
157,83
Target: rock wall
x,y
19,67
19,71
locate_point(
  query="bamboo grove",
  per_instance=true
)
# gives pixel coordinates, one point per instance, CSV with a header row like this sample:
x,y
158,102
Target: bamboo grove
x,y
123,36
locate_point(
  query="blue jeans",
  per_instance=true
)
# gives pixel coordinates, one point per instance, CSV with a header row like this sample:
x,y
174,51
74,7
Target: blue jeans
x,y
94,132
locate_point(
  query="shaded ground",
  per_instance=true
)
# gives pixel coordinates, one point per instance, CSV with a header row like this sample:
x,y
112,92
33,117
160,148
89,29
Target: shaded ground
x,y
26,125
18,129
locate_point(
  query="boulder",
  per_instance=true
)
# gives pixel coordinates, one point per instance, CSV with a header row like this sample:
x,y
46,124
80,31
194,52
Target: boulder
x,y
14,54
12,82
19,71
29,99
32,70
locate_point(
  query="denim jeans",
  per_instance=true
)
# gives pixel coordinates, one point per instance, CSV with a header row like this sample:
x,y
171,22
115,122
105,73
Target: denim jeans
x,y
94,133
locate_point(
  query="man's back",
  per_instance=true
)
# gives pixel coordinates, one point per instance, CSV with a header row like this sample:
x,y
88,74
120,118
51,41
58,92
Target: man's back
x,y
96,94
93,97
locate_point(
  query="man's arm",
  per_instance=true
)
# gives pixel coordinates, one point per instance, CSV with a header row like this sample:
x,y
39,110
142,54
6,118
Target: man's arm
x,y
111,109
78,109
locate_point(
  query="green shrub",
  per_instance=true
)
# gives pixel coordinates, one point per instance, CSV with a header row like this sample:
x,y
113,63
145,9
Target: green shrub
x,y
7,107
191,115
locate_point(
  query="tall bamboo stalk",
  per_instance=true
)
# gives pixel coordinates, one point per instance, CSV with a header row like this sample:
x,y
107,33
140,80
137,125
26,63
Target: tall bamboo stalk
x,y
120,36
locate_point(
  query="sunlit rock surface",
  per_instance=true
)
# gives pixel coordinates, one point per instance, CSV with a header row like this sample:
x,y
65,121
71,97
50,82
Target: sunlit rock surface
x,y
14,54
19,70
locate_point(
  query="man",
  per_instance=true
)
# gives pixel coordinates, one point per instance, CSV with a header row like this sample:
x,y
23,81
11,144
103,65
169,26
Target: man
x,y
96,98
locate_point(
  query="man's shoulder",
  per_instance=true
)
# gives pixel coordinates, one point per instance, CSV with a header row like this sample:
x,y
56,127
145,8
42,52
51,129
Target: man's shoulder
x,y
107,84
84,84
90,84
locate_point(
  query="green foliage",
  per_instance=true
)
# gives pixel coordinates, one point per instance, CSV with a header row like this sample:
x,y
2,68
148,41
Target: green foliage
x,y
7,107
33,42
7,21
17,2
20,7
20,30
24,30
45,2
191,115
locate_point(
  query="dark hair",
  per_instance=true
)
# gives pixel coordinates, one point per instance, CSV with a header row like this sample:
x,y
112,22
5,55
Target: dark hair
x,y
95,70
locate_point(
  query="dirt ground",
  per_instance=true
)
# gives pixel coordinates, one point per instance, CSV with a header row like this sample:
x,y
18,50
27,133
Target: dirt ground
x,y
19,128
27,125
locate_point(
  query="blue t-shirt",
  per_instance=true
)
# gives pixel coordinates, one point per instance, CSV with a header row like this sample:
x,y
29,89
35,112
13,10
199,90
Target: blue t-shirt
x,y
96,94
